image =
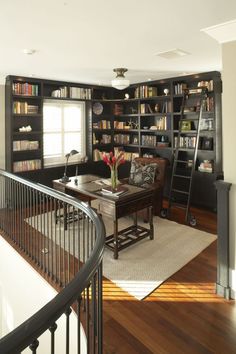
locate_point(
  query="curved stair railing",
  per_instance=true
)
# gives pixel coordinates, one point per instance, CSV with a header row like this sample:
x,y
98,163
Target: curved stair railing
x,y
64,240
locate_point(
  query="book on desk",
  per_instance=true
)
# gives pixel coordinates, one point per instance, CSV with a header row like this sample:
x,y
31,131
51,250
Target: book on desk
x,y
109,191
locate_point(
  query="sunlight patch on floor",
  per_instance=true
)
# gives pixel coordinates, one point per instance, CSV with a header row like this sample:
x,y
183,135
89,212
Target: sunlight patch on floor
x,y
170,291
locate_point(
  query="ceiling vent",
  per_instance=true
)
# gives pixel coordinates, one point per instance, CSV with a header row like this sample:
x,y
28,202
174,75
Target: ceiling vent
x,y
173,54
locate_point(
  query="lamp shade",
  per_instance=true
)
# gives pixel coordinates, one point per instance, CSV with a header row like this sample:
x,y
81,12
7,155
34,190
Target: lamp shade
x,y
120,82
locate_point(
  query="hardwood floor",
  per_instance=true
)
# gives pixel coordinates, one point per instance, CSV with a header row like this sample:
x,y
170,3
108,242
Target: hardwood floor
x,y
182,316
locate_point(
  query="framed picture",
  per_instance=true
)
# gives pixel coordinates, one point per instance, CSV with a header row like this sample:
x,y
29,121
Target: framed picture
x,y
185,125
207,143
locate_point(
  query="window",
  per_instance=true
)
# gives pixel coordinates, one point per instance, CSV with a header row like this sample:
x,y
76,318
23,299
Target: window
x,y
63,130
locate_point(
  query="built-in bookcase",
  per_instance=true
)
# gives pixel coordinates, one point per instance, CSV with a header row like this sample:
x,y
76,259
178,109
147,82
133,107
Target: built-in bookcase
x,y
142,120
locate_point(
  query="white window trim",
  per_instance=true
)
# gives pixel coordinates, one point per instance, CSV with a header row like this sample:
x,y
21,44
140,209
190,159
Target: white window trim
x,y
52,161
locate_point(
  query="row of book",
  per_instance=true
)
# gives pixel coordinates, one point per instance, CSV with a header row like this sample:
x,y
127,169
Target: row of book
x,y
163,123
149,140
207,84
105,139
24,108
102,124
25,89
81,93
128,156
180,87
188,142
97,154
145,91
19,145
120,125
118,109
26,165
72,92
122,139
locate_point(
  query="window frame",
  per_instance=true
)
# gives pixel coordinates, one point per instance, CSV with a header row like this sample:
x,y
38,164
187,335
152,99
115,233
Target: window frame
x,y
50,161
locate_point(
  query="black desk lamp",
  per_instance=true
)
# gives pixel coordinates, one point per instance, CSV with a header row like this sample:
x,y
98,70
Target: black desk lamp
x,y
65,178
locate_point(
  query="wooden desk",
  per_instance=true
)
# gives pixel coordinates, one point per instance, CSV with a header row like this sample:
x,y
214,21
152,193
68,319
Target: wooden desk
x,y
130,202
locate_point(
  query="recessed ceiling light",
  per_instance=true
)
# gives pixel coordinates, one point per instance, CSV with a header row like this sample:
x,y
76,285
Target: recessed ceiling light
x,y
28,51
149,79
173,53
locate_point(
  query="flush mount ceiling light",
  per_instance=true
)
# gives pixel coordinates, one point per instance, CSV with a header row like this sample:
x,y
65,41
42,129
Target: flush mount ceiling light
x,y
120,82
172,54
28,51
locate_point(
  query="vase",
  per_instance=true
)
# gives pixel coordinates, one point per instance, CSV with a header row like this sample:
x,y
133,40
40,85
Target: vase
x,y
114,178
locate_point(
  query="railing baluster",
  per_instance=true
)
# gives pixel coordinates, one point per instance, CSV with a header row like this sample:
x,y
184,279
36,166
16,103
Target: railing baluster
x,y
52,329
87,320
34,345
51,251
64,243
78,324
94,312
68,312
68,242
73,238
99,311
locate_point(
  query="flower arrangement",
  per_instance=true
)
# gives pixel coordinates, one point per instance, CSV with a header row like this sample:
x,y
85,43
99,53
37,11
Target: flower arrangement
x,y
113,161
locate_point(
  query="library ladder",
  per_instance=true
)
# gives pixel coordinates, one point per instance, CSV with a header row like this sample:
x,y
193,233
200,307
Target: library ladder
x,y
186,145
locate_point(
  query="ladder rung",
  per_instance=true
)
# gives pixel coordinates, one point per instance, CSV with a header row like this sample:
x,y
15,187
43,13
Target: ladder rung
x,y
179,191
185,148
183,161
182,176
178,205
193,132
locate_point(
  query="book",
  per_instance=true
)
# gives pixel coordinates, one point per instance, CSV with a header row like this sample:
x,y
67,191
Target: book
x,y
109,191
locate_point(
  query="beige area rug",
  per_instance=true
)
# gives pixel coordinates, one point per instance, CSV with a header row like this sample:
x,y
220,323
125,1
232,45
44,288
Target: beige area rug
x,y
144,266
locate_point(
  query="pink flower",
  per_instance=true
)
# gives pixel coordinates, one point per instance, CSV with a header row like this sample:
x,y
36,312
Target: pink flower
x,y
113,161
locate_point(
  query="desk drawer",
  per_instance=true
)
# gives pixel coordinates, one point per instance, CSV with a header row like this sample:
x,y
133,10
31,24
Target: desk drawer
x,y
107,209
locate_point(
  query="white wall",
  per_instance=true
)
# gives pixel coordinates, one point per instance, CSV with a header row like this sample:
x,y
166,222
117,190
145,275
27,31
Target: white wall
x,y
22,292
229,144
2,126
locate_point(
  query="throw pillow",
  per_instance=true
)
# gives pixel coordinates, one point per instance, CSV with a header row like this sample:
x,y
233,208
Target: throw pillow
x,y
142,175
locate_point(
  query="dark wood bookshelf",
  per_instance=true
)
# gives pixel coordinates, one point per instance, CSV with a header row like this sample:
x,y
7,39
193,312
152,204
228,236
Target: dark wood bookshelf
x,y
112,100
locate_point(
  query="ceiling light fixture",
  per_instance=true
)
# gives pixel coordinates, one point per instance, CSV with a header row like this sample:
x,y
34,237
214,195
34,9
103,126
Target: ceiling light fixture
x,y
120,82
28,51
173,54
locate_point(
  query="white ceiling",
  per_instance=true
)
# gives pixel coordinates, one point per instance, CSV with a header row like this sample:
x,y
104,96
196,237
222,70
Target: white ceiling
x,y
82,41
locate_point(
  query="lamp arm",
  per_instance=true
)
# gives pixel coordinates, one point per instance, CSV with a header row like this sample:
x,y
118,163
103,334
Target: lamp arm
x,y
66,165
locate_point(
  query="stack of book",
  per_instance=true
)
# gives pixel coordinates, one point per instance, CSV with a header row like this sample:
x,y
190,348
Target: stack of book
x,y
110,192
118,109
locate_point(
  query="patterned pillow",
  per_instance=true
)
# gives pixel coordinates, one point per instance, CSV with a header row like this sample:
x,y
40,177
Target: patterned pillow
x,y
142,175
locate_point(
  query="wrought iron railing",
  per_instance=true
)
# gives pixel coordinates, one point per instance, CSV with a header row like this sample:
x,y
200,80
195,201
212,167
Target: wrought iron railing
x,y
64,239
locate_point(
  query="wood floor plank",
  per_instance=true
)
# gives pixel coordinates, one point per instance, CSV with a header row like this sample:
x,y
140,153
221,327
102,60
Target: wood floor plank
x,y
183,315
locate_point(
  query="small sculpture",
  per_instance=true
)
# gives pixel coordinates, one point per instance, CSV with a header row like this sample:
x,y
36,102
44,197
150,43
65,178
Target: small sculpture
x,y
166,91
25,129
126,96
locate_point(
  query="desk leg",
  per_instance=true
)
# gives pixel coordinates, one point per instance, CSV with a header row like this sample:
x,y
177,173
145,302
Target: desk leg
x,y
115,240
150,212
135,219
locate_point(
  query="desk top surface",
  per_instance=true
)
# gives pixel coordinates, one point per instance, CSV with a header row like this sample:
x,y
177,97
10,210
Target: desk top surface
x,y
91,185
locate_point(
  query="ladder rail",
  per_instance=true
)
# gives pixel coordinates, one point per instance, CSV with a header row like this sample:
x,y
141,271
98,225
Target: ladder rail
x,y
203,97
